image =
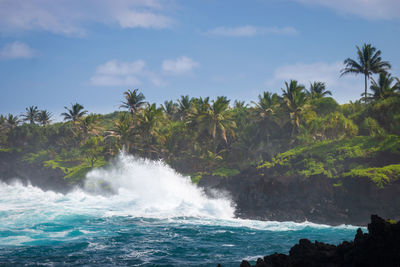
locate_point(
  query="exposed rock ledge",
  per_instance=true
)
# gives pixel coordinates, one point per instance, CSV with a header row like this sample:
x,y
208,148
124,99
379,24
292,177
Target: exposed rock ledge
x,y
379,247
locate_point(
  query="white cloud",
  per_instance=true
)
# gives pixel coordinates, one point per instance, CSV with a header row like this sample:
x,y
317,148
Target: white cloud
x,y
16,50
116,68
343,88
133,19
119,73
110,80
248,31
69,17
180,65
369,9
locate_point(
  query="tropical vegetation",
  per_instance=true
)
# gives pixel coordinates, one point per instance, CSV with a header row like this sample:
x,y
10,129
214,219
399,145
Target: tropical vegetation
x,y
302,131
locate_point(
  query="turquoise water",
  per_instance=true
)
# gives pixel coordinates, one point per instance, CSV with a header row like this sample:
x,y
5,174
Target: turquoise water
x,y
147,216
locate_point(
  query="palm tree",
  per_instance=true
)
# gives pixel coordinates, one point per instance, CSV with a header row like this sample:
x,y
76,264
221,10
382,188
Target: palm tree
x,y
12,121
217,121
75,113
383,88
295,99
265,110
170,108
318,90
201,105
122,130
239,104
30,114
147,121
44,117
369,62
184,106
88,125
133,101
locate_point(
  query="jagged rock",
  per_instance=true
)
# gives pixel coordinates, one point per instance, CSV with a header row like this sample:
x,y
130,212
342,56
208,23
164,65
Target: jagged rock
x,y
379,247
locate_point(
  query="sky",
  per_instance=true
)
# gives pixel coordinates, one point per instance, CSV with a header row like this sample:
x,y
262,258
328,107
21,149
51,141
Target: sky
x,y
54,53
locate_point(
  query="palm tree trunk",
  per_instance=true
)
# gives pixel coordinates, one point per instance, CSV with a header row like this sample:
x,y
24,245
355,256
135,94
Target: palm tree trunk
x,y
365,82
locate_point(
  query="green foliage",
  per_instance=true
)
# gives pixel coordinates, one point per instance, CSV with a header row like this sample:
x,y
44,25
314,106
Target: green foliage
x,y
92,149
77,173
379,175
312,167
324,106
74,169
338,158
387,113
372,126
196,177
225,172
40,156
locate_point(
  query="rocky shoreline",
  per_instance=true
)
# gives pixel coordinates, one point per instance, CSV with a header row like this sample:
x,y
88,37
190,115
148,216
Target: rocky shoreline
x,y
316,199
379,247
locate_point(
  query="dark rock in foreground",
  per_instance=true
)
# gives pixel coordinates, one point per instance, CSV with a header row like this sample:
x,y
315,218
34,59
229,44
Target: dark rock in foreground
x,y
380,247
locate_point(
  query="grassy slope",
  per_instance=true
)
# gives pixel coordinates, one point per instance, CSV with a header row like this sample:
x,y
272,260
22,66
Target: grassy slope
x,y
361,156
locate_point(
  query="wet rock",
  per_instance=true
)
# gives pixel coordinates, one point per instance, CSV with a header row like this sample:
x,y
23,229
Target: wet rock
x,y
379,247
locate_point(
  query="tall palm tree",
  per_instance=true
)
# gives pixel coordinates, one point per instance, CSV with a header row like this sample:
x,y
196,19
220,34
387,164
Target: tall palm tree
x,y
369,62
217,120
30,114
44,117
265,110
133,101
295,100
318,90
75,113
383,88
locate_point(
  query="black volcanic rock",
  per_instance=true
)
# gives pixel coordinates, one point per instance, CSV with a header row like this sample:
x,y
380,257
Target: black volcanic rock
x,y
316,199
379,247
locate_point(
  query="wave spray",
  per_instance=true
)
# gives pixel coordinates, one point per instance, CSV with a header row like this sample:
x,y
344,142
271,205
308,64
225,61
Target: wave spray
x,y
145,188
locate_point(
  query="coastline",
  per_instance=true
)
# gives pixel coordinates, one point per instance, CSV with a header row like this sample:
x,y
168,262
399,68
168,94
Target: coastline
x,y
379,247
259,198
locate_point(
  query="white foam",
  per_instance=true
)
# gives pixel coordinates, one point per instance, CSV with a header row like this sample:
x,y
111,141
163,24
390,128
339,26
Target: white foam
x,y
147,188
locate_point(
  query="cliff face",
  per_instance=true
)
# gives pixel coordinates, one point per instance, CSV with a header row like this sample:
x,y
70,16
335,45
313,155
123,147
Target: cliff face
x,y
317,199
12,169
379,247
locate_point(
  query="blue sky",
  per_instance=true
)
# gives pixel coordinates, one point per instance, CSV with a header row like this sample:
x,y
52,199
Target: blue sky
x,y
57,52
